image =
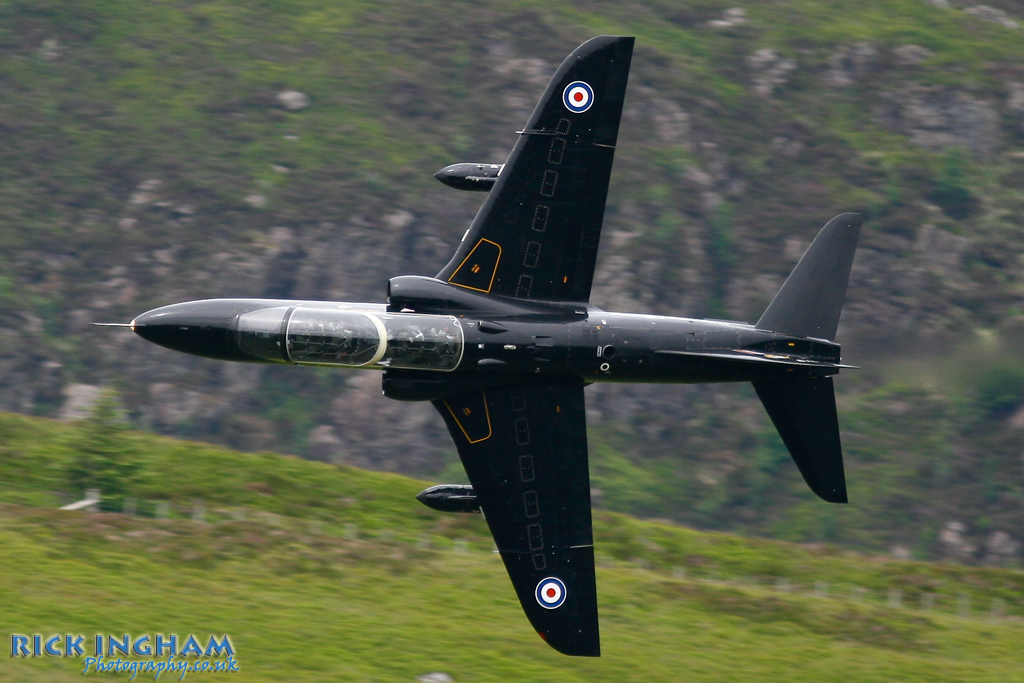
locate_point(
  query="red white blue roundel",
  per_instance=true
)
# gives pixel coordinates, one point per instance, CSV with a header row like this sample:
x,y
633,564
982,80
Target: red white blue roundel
x,y
551,593
577,97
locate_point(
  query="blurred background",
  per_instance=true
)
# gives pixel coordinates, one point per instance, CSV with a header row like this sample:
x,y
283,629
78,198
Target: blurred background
x,y
154,152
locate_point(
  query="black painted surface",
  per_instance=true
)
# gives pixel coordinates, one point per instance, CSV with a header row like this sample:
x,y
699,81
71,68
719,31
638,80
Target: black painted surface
x,y
547,206
529,472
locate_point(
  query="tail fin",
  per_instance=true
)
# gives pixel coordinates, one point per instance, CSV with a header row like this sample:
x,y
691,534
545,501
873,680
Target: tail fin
x,y
804,412
809,303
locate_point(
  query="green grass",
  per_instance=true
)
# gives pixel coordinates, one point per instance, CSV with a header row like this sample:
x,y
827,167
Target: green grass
x,y
320,572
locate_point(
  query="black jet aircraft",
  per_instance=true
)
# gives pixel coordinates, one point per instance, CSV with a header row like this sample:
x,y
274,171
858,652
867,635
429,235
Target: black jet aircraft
x,y
503,340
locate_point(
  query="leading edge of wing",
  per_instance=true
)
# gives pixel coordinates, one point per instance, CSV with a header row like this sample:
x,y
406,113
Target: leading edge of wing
x,y
537,233
525,452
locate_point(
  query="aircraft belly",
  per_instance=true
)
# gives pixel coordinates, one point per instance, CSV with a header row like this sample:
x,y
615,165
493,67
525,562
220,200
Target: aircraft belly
x,y
659,349
516,347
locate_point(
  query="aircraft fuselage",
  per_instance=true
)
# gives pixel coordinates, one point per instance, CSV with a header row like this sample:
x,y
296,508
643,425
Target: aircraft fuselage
x,y
429,355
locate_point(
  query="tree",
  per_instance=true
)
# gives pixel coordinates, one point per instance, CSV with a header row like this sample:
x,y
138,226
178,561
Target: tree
x,y
105,458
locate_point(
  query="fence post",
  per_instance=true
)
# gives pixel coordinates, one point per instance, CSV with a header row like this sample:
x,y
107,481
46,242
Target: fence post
x,y
94,496
963,606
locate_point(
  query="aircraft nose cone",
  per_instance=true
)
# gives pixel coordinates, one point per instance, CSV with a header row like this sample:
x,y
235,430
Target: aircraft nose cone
x,y
195,327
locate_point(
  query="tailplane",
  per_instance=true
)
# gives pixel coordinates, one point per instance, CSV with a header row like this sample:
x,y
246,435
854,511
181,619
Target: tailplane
x,y
809,303
804,412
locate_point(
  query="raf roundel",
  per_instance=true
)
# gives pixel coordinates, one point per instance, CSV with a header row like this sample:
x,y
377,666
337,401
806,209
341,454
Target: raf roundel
x,y
577,97
551,593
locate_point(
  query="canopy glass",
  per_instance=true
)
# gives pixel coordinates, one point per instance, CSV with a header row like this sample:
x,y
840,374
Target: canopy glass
x,y
351,338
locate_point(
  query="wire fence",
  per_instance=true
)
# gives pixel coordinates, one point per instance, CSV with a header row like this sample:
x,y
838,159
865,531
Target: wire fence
x,y
961,604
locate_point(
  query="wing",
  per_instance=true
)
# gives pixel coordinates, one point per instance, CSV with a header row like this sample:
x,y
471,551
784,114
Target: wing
x,y
525,451
536,235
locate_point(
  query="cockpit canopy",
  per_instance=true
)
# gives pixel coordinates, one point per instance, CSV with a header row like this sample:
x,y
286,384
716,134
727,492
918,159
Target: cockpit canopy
x,y
351,338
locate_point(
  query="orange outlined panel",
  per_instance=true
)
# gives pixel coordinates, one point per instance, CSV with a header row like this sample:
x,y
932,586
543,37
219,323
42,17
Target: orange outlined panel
x,y
472,415
478,269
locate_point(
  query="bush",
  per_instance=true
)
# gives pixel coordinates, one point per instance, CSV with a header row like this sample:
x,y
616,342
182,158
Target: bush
x,y
104,459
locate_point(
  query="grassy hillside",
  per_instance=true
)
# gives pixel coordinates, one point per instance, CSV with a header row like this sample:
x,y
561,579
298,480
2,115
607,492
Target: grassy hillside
x,y
326,573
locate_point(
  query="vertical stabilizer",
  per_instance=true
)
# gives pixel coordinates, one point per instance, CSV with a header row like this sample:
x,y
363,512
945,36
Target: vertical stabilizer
x,y
804,412
810,301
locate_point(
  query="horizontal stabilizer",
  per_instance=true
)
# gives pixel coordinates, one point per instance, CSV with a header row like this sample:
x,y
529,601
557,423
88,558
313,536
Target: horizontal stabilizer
x,y
804,412
811,299
752,357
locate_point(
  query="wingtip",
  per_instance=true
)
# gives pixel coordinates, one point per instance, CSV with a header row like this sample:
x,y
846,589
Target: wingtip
x,y
837,497
573,646
602,42
849,220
